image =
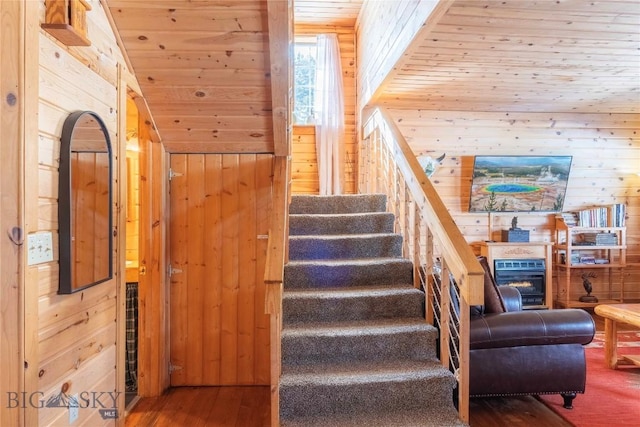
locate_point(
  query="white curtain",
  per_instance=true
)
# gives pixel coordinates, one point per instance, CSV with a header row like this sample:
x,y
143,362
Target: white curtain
x,y
329,109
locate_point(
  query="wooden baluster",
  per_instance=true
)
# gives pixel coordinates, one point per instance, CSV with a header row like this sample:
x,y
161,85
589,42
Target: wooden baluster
x,y
463,368
445,318
408,225
418,272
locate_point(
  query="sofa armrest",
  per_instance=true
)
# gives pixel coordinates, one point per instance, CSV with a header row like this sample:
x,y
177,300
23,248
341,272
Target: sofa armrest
x,y
532,327
511,298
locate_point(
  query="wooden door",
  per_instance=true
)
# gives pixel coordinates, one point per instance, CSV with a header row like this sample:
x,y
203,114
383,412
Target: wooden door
x,y
219,210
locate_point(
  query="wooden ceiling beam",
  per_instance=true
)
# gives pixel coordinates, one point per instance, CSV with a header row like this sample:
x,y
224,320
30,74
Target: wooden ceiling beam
x,y
280,18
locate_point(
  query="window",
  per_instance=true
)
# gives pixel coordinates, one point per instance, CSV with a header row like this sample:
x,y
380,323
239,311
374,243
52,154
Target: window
x,y
304,69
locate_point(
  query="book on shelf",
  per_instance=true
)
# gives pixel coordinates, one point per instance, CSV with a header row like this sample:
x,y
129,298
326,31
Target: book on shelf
x,y
618,213
570,219
603,216
595,217
609,239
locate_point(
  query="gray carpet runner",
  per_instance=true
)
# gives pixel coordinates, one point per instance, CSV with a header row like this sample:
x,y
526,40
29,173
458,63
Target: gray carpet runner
x,y
356,350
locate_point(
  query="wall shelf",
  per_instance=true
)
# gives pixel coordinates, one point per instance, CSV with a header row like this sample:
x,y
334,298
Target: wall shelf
x,y
605,261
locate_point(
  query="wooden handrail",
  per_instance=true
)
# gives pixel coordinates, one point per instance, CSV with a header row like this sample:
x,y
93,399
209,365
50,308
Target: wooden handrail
x,y
460,258
277,255
388,156
278,233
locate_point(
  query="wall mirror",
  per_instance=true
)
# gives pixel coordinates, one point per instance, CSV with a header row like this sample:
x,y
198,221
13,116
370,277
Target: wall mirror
x,y
84,205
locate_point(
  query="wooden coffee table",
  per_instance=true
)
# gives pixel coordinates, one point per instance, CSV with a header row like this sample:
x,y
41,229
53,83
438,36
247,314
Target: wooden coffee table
x,y
614,313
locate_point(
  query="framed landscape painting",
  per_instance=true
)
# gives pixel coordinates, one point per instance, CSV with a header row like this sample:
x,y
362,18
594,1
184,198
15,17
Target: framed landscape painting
x,y
519,183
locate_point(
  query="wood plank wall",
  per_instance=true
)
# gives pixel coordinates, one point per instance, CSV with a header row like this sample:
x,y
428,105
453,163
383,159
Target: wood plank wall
x,y
606,162
304,168
13,69
153,292
76,334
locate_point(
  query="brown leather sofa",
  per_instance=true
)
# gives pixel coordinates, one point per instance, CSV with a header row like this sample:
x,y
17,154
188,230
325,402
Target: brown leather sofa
x,y
522,352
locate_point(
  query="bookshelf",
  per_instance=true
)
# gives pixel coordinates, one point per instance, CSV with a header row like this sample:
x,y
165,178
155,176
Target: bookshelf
x,y
597,254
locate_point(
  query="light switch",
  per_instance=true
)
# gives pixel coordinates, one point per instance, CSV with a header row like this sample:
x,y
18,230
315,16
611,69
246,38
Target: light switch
x,y
40,248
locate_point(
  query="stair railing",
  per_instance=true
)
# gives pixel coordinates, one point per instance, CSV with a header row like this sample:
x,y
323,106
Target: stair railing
x,y
432,241
277,256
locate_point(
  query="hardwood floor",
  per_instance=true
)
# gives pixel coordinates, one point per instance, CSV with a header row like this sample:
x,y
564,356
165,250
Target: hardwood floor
x,y
250,406
204,406
520,411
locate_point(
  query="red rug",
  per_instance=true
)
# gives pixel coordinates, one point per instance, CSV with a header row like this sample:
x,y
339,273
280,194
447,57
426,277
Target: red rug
x,y
612,397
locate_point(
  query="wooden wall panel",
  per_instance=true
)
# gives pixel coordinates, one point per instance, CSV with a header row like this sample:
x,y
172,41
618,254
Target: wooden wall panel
x,y
304,161
219,221
76,334
153,375
12,129
605,166
304,173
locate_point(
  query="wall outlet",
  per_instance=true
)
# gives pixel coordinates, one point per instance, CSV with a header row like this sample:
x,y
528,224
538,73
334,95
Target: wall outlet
x,y
40,248
74,408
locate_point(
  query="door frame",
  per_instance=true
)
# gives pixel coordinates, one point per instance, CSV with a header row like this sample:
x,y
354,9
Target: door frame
x,y
153,327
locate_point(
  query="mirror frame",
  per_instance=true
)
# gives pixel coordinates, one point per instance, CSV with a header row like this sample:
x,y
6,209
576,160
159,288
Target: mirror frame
x,y
65,208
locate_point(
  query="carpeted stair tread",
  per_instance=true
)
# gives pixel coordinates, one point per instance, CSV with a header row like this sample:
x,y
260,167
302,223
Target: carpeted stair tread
x,y
352,223
339,342
352,292
350,203
345,246
352,303
343,236
347,272
387,371
351,261
426,417
358,328
365,387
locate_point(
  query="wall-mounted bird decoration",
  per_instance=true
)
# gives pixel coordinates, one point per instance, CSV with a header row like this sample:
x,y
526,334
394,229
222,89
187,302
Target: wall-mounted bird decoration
x,y
429,164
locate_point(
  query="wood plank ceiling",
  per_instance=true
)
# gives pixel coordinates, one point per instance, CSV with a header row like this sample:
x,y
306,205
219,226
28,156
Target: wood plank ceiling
x,y
513,55
204,70
341,13
204,66
522,55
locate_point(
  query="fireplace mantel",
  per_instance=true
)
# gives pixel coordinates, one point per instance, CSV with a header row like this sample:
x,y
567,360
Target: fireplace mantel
x,y
519,250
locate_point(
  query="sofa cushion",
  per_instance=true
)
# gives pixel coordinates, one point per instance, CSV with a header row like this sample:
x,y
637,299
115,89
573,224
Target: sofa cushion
x,y
492,300
531,327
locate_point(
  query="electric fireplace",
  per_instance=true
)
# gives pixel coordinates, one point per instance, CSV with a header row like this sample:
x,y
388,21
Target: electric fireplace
x,y
526,275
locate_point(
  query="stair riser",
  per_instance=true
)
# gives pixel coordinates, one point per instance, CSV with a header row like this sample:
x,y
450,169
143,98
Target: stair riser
x,y
327,400
313,349
306,248
344,275
313,225
337,204
310,309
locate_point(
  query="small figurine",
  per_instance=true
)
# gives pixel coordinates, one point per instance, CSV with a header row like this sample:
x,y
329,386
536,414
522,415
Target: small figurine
x,y
514,223
586,283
